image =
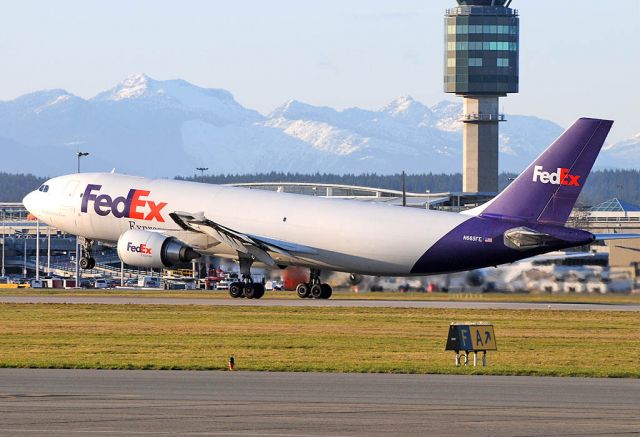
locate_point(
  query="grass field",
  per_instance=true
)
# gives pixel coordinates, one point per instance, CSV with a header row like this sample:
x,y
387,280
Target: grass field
x,y
346,294
313,339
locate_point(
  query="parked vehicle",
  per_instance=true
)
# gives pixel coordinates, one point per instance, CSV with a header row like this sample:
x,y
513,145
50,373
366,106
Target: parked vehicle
x,y
101,283
180,284
38,283
131,282
149,282
274,285
225,283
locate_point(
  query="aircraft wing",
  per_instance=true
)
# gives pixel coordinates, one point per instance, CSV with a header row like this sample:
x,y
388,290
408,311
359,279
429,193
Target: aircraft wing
x,y
604,237
258,247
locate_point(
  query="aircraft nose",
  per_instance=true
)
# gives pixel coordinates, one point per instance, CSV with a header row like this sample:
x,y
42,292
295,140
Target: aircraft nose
x,y
29,202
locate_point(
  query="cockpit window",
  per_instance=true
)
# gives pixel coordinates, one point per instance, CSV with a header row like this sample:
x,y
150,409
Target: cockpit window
x,y
44,188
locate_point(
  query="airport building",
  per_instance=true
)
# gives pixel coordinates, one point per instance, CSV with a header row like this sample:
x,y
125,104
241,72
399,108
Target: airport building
x,y
613,216
481,65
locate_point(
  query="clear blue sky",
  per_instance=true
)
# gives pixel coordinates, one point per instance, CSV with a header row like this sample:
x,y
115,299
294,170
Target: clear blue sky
x,y
577,57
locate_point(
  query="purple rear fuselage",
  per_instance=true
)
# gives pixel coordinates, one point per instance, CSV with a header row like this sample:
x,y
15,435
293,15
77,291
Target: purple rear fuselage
x,y
479,242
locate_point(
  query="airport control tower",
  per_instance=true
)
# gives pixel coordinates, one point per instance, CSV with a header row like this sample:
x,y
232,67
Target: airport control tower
x,y
481,65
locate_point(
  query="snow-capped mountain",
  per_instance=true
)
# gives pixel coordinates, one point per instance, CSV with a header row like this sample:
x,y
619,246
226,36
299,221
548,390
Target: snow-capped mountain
x,y
627,150
166,128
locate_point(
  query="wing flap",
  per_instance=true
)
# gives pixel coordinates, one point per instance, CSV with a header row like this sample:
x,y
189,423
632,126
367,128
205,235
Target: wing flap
x,y
253,245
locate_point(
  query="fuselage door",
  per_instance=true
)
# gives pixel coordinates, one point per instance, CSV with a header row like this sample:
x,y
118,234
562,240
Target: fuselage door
x,y
69,204
70,197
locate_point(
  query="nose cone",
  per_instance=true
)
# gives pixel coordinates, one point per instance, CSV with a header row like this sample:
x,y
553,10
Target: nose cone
x,y
29,202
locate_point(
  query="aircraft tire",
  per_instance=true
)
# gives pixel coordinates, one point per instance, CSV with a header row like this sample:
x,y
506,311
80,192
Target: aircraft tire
x,y
235,290
92,263
302,290
327,291
258,290
85,263
249,291
316,291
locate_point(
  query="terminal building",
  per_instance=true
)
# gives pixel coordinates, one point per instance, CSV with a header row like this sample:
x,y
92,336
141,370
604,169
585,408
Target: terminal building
x,y
481,65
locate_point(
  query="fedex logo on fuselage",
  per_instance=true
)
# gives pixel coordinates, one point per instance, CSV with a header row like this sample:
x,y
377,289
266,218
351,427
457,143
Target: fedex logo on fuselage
x,y
142,248
135,205
560,177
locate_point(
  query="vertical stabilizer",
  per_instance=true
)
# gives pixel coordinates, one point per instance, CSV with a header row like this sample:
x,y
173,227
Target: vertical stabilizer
x,y
548,189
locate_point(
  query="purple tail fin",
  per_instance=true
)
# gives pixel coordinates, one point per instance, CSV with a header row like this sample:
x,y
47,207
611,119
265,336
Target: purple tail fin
x,y
547,190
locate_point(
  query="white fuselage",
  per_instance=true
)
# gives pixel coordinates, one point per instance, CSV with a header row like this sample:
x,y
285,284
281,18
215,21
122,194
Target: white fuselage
x,y
347,235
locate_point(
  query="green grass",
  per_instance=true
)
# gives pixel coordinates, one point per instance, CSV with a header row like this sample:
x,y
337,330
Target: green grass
x,y
567,343
347,294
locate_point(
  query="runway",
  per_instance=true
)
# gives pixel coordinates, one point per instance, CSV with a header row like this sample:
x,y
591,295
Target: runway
x,y
102,402
350,303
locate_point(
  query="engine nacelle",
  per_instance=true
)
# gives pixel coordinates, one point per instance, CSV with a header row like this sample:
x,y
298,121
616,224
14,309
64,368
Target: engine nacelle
x,y
153,250
355,279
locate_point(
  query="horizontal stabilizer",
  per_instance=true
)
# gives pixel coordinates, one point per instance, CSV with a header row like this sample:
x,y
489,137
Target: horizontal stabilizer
x,y
604,237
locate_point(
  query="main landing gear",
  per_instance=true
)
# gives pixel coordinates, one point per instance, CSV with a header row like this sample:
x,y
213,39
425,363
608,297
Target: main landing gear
x,y
87,262
246,287
314,288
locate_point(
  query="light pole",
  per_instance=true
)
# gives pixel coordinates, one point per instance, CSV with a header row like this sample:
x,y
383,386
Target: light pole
x,y
428,199
37,249
202,170
3,239
24,259
79,155
49,250
404,188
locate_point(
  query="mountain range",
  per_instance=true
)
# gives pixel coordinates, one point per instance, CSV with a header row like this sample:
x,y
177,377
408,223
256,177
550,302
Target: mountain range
x,y
166,128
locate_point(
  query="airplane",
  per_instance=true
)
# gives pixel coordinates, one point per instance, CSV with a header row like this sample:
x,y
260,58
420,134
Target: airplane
x,y
158,223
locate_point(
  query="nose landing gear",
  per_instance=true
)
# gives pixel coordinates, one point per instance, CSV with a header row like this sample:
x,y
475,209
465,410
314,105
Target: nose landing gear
x,y
87,262
314,288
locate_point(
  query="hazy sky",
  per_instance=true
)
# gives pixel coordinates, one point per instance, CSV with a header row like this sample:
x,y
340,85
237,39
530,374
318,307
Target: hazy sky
x,y
578,57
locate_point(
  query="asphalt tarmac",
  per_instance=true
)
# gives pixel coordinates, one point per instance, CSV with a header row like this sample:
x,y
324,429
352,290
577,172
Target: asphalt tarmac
x,y
90,402
320,303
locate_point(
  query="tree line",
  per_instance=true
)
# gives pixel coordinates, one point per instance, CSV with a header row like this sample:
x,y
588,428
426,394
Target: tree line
x,y
601,185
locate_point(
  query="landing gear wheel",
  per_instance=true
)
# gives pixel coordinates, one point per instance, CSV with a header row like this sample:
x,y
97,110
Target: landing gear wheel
x,y
302,290
236,289
316,291
249,291
87,263
258,290
327,291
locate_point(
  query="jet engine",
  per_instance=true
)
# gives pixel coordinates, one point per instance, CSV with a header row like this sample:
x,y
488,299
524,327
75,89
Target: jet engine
x,y
153,250
355,279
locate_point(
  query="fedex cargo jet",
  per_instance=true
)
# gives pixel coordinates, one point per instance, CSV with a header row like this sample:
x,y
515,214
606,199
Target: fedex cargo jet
x,y
159,222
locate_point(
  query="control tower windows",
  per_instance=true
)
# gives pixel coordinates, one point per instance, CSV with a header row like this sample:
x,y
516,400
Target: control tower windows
x,y
464,29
